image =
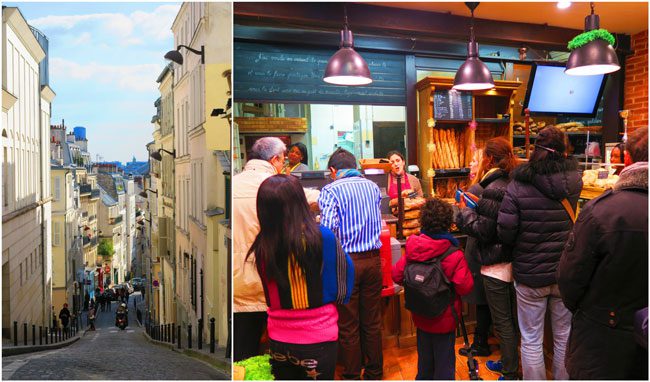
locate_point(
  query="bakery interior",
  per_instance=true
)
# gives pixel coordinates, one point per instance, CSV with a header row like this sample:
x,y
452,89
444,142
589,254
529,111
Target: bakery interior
x,y
413,51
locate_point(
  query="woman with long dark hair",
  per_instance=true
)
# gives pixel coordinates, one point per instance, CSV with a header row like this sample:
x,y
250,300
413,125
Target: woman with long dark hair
x,y
494,276
305,273
535,218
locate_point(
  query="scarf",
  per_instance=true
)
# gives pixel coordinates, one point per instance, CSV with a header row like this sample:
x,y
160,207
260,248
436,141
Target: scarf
x,y
347,173
442,235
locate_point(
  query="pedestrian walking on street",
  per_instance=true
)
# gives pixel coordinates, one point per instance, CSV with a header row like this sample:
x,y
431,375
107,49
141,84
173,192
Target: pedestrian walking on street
x,y
86,301
91,317
64,316
55,322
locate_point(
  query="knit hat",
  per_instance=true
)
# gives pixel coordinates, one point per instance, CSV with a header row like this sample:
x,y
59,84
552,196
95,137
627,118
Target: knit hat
x,y
551,139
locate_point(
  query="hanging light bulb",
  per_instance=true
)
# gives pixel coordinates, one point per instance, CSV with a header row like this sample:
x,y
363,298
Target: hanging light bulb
x,y
347,67
473,74
595,57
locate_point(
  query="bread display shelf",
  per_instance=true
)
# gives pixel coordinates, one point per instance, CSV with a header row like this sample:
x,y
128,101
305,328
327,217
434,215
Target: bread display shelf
x,y
446,147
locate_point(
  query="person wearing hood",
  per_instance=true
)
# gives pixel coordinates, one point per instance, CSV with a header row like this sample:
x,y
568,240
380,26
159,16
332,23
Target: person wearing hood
x,y
535,219
265,160
436,336
603,275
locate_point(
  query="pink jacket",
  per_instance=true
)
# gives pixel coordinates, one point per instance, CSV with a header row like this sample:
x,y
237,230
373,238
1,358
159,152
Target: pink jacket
x,y
423,248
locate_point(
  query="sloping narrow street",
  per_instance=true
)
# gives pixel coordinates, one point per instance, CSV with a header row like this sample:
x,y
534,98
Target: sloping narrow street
x,y
109,353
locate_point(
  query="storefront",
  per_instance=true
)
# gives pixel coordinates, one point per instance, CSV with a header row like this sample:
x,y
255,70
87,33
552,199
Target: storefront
x,y
281,51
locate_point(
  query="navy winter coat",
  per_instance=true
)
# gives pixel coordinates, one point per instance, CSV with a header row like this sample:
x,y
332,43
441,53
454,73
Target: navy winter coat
x,y
533,221
481,223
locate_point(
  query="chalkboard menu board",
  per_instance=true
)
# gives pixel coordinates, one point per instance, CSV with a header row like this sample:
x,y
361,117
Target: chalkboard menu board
x,y
268,73
452,105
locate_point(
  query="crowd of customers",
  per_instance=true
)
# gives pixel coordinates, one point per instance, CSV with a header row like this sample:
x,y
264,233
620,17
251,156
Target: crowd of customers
x,y
529,255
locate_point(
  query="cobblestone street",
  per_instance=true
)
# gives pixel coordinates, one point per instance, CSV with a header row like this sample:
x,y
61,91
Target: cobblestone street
x,y
111,354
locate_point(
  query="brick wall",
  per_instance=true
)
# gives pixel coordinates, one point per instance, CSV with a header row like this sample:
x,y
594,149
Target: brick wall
x,y
636,82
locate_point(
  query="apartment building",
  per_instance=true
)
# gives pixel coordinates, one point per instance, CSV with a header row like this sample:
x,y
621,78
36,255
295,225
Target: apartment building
x,y
26,200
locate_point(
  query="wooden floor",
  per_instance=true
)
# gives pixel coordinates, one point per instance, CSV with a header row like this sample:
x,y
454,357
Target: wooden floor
x,y
401,364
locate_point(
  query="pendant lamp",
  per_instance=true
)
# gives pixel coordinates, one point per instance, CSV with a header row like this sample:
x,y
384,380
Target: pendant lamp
x,y
473,74
346,67
594,53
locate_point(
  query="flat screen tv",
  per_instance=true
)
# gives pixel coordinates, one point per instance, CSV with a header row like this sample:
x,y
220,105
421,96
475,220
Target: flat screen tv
x,y
552,92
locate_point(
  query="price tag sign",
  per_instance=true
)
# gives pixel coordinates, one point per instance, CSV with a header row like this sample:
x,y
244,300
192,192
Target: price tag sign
x,y
603,174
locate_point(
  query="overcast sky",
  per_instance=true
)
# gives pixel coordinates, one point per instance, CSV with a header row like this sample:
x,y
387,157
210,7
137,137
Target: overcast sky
x,y
104,62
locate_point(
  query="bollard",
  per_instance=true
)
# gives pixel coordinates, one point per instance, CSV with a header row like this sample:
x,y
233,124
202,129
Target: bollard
x,y
173,333
33,335
46,336
200,334
168,335
60,334
178,337
15,333
25,333
40,335
212,335
189,336
51,335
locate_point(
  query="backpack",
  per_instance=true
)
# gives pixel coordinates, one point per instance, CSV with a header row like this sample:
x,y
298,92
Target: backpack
x,y
427,291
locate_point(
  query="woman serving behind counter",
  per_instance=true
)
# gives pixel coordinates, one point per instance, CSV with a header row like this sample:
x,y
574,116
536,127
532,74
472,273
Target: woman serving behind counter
x,y
397,168
298,159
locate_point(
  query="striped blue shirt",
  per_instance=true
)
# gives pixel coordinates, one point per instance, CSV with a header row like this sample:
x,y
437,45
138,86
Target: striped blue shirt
x,y
350,208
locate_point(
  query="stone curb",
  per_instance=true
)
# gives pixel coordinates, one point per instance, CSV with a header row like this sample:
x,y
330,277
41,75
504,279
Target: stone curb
x,y
221,365
16,350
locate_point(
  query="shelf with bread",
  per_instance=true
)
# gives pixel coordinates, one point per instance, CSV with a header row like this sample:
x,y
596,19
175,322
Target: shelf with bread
x,y
453,125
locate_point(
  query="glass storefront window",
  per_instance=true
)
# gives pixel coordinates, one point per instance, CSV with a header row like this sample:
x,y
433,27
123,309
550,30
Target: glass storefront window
x,y
368,131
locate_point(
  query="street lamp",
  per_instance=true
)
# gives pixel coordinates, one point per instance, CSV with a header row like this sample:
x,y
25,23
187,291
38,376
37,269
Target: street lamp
x,y
177,57
144,193
157,156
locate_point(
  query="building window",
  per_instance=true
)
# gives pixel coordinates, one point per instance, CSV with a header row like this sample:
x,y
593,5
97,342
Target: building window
x,y
57,188
56,237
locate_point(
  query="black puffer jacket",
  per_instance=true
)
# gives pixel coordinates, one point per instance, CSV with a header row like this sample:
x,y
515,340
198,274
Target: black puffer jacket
x,y
603,279
533,221
481,223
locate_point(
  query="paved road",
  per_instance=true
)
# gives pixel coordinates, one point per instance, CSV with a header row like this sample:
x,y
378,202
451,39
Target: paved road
x,y
111,354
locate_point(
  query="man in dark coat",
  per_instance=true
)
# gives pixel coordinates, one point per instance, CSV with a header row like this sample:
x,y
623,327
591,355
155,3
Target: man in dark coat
x,y
533,220
603,275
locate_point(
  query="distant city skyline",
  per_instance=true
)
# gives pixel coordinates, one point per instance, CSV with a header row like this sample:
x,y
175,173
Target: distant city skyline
x,y
104,61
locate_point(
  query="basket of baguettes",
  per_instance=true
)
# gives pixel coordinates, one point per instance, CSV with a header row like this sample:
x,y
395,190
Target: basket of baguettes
x,y
412,206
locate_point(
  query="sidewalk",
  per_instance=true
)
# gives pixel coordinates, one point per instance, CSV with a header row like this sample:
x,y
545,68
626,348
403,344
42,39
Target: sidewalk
x,y
8,348
217,359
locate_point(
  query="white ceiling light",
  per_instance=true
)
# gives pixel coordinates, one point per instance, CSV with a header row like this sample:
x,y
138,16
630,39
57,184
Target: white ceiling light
x,y
563,4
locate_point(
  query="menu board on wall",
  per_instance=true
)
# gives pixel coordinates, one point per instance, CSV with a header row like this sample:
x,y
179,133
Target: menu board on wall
x,y
269,73
452,105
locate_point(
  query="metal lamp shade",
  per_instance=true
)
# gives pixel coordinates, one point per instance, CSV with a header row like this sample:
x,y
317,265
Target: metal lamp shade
x,y
175,56
347,67
473,74
156,155
597,57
